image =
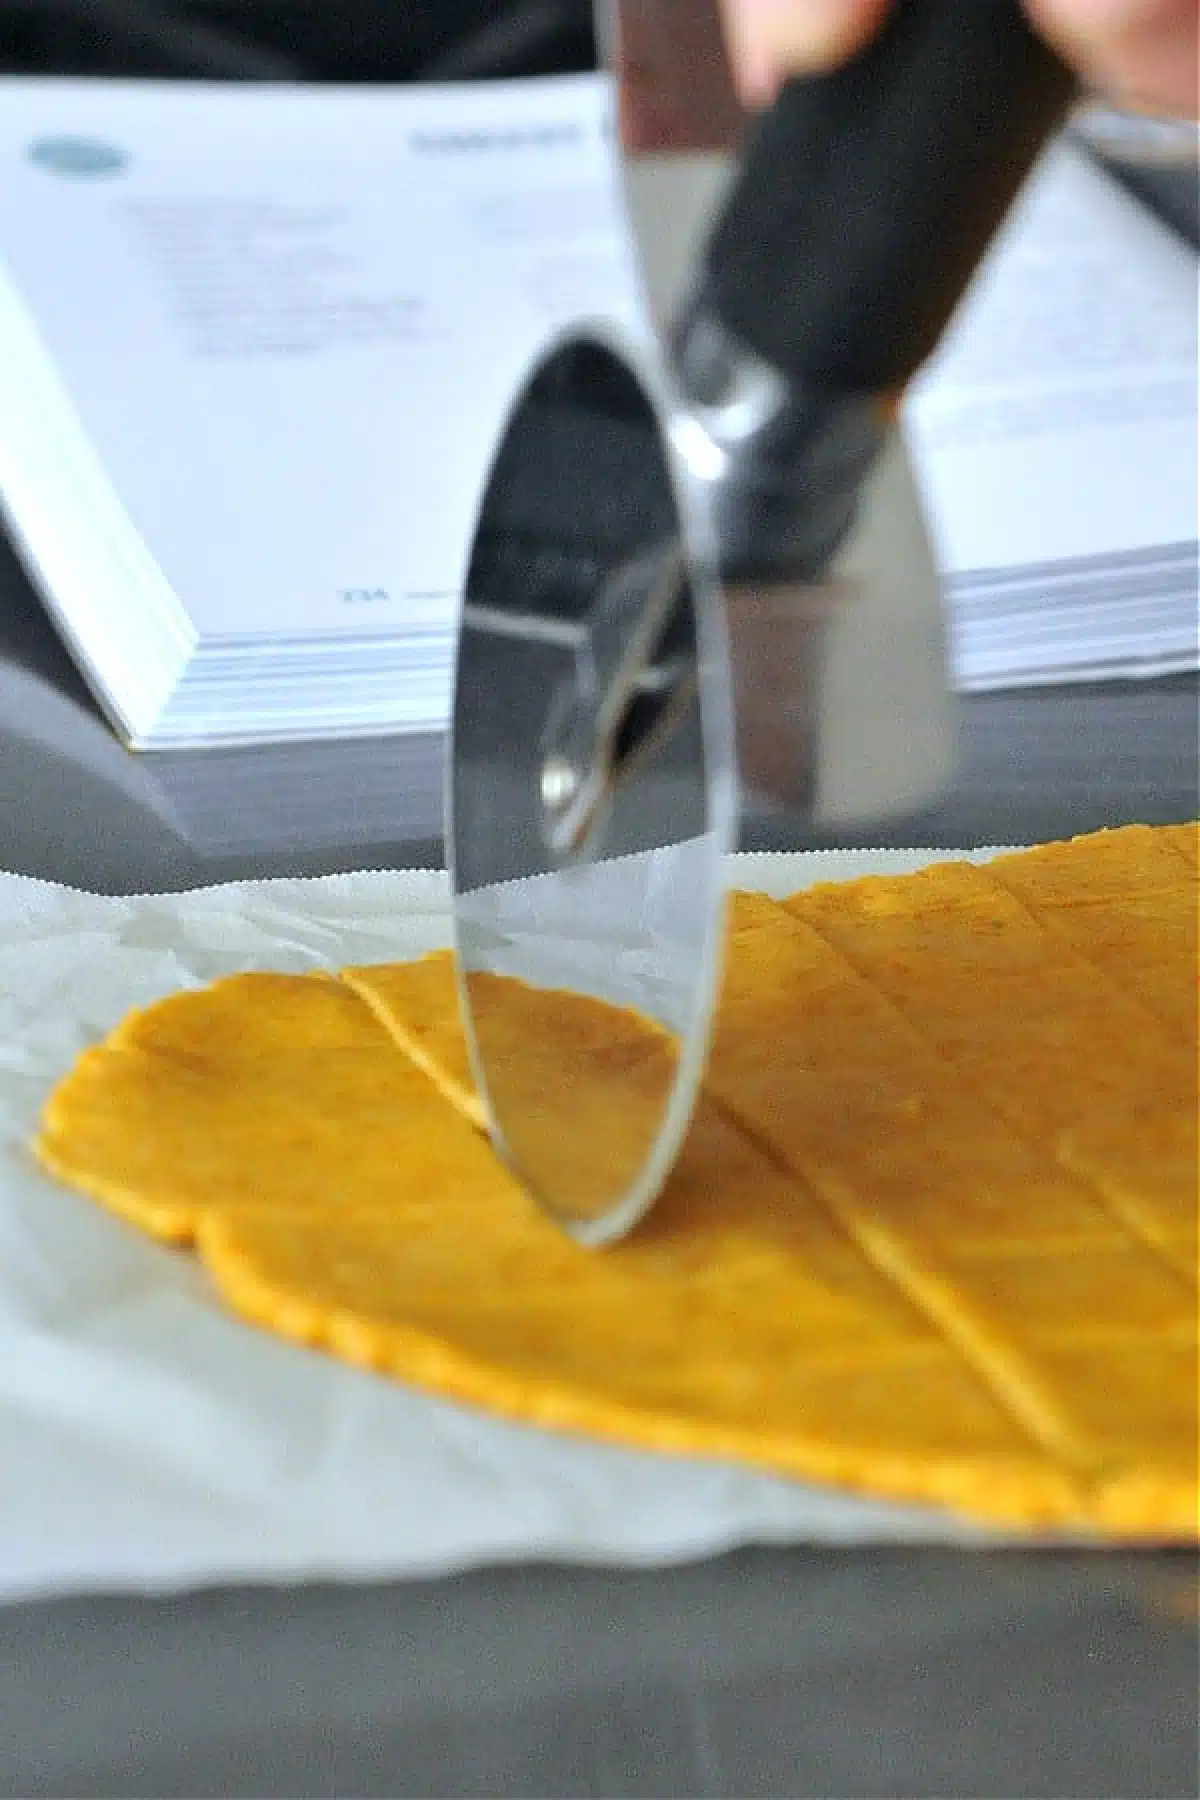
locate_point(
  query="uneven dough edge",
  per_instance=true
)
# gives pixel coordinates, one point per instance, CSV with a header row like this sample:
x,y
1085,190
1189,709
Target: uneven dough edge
x,y
1006,1493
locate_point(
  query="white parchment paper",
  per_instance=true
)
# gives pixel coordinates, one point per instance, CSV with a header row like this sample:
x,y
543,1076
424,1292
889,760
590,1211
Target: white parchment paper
x,y
150,1441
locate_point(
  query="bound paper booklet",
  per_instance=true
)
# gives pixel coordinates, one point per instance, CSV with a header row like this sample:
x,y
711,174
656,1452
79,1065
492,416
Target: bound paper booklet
x,y
1055,434
257,344
256,347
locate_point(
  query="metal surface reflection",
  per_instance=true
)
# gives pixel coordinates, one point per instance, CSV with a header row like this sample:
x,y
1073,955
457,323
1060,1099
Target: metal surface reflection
x,y
827,573
592,794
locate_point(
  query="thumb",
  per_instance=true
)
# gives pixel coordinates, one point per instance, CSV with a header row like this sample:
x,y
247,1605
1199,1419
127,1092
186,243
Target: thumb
x,y
772,39
1143,52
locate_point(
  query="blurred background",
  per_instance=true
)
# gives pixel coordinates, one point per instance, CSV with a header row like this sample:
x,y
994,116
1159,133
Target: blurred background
x,y
428,40
1036,763
356,40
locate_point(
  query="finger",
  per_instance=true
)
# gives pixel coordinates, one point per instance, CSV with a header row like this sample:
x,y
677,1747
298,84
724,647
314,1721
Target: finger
x,y
772,39
1143,53
674,81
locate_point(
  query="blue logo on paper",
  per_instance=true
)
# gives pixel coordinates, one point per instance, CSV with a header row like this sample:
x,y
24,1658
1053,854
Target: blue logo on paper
x,y
81,157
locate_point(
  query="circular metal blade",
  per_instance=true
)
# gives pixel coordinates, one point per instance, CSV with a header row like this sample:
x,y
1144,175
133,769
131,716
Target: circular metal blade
x,y
588,522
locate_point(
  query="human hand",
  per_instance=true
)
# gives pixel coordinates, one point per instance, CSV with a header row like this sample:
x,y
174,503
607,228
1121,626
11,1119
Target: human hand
x,y
1139,53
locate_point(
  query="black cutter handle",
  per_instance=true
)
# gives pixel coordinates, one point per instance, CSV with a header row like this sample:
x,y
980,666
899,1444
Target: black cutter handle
x,y
867,197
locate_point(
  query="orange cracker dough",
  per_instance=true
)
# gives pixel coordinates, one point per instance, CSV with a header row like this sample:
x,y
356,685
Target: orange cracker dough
x,y
932,1236
417,1002
1184,840
263,1090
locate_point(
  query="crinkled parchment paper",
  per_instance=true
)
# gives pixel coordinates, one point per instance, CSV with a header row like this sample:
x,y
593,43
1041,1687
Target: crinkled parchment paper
x,y
150,1441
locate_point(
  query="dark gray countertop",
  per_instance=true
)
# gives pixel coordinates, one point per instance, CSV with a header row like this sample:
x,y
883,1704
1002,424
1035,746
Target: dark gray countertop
x,y
777,1674
774,1673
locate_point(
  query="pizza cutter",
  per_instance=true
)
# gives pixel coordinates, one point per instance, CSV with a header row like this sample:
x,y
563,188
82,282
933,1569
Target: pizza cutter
x,y
664,558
